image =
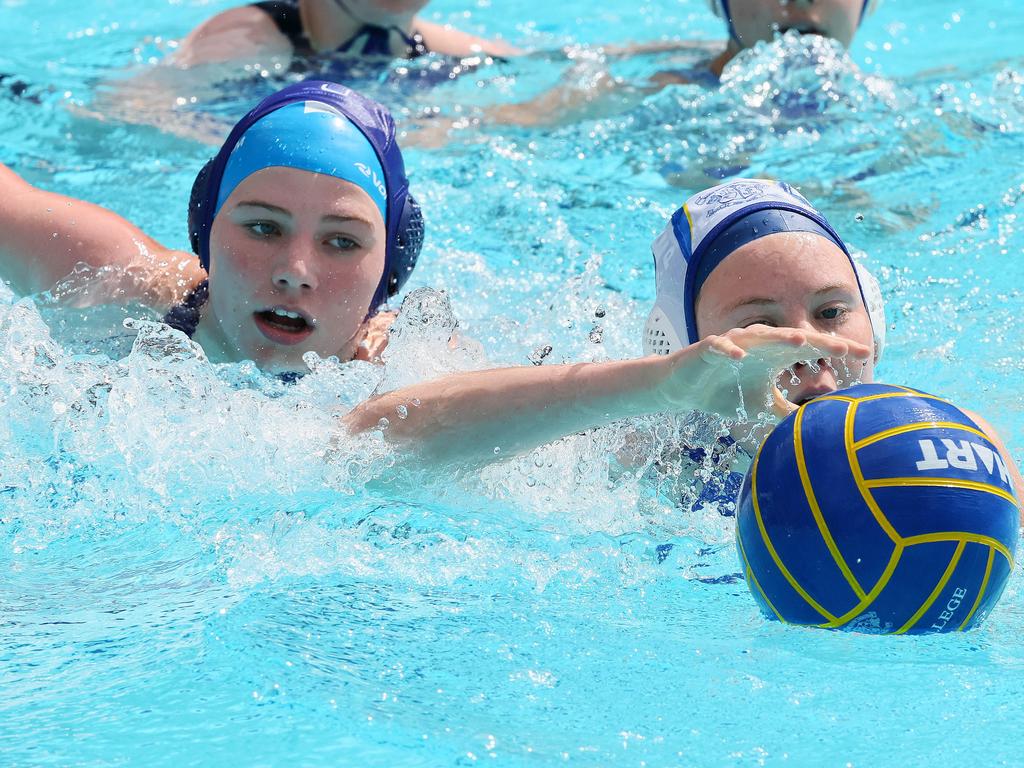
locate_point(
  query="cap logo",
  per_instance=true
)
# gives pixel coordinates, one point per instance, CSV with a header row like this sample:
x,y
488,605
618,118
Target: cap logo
x,y
372,175
729,195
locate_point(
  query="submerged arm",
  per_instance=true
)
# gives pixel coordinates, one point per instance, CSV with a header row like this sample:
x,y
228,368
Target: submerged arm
x,y
218,50
451,42
464,418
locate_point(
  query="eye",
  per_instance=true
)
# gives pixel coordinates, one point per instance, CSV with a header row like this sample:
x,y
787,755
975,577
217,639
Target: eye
x,y
342,243
833,314
262,228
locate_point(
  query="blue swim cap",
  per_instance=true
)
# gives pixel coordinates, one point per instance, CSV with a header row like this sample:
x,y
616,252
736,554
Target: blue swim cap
x,y
710,226
310,136
326,128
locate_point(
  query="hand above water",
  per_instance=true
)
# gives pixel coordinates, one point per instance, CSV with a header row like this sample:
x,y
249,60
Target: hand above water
x,y
712,374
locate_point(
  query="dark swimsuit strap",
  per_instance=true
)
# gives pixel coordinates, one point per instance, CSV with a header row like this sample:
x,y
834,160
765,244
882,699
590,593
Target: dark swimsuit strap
x,y
185,316
377,40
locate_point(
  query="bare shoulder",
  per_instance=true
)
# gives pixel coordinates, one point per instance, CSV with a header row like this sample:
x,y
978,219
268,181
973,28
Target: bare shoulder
x,y
452,42
48,238
236,33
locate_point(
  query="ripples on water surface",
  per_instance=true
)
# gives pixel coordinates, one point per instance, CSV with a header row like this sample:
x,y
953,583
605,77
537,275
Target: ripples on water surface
x,y
195,572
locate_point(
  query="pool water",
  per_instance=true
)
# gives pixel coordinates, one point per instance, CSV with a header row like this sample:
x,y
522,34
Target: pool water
x,y
199,570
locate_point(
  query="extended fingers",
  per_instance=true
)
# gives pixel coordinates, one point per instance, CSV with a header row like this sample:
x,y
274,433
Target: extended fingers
x,y
721,346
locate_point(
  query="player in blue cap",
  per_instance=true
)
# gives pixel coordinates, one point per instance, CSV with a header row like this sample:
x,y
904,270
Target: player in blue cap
x,y
302,223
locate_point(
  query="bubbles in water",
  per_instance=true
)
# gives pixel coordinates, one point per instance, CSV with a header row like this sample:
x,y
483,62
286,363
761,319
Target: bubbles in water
x,y
538,355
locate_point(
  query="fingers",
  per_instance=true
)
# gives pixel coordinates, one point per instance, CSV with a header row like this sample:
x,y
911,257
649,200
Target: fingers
x,y
781,407
792,345
721,346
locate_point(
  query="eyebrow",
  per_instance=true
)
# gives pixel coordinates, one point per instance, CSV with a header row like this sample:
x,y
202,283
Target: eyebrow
x,y
759,301
332,218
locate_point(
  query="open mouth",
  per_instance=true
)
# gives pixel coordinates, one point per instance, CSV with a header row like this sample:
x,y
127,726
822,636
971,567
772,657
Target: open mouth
x,y
284,326
803,29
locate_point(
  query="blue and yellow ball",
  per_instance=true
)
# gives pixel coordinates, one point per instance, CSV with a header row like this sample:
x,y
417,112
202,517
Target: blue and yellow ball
x,y
878,508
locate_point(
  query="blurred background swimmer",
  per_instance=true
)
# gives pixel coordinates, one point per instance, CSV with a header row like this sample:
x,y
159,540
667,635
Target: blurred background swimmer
x,y
266,44
589,90
300,29
302,226
760,308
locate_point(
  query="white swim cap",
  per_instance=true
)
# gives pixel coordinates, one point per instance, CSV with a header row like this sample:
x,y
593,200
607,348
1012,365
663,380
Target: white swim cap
x,y
711,225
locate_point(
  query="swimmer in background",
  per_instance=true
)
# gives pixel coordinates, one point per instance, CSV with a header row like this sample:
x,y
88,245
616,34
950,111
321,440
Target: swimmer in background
x,y
289,29
751,281
748,22
302,226
327,39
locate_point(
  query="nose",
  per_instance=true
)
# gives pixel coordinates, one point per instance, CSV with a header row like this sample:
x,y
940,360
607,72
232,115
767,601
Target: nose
x,y
293,272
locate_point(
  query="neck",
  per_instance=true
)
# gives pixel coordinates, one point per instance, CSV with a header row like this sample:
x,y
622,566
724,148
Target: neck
x,y
717,65
330,24
210,337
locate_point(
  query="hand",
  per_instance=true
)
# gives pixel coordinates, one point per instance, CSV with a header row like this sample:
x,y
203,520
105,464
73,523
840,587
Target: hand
x,y
375,336
735,373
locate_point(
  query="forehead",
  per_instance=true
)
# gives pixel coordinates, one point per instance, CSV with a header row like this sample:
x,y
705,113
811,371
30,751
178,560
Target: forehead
x,y
304,192
785,264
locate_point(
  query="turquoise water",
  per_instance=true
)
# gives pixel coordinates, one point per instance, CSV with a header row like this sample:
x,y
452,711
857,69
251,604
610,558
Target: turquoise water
x,y
197,573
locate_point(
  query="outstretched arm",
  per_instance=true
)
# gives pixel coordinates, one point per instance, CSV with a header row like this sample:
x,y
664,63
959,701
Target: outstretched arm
x,y
464,418
44,235
451,42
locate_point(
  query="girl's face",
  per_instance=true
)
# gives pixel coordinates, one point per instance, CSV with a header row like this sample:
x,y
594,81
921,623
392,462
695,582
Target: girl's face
x,y
755,20
792,280
295,259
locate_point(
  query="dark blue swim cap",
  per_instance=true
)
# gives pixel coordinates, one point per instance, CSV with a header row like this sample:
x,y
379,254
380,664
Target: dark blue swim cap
x,y
402,215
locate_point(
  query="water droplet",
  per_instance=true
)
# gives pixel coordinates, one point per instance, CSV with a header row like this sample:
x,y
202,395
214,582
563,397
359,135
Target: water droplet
x,y
859,217
537,356
403,412
383,423
531,481
599,312
497,450
416,402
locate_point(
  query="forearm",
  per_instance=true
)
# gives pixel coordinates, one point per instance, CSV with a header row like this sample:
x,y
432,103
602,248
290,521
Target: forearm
x,y
465,418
